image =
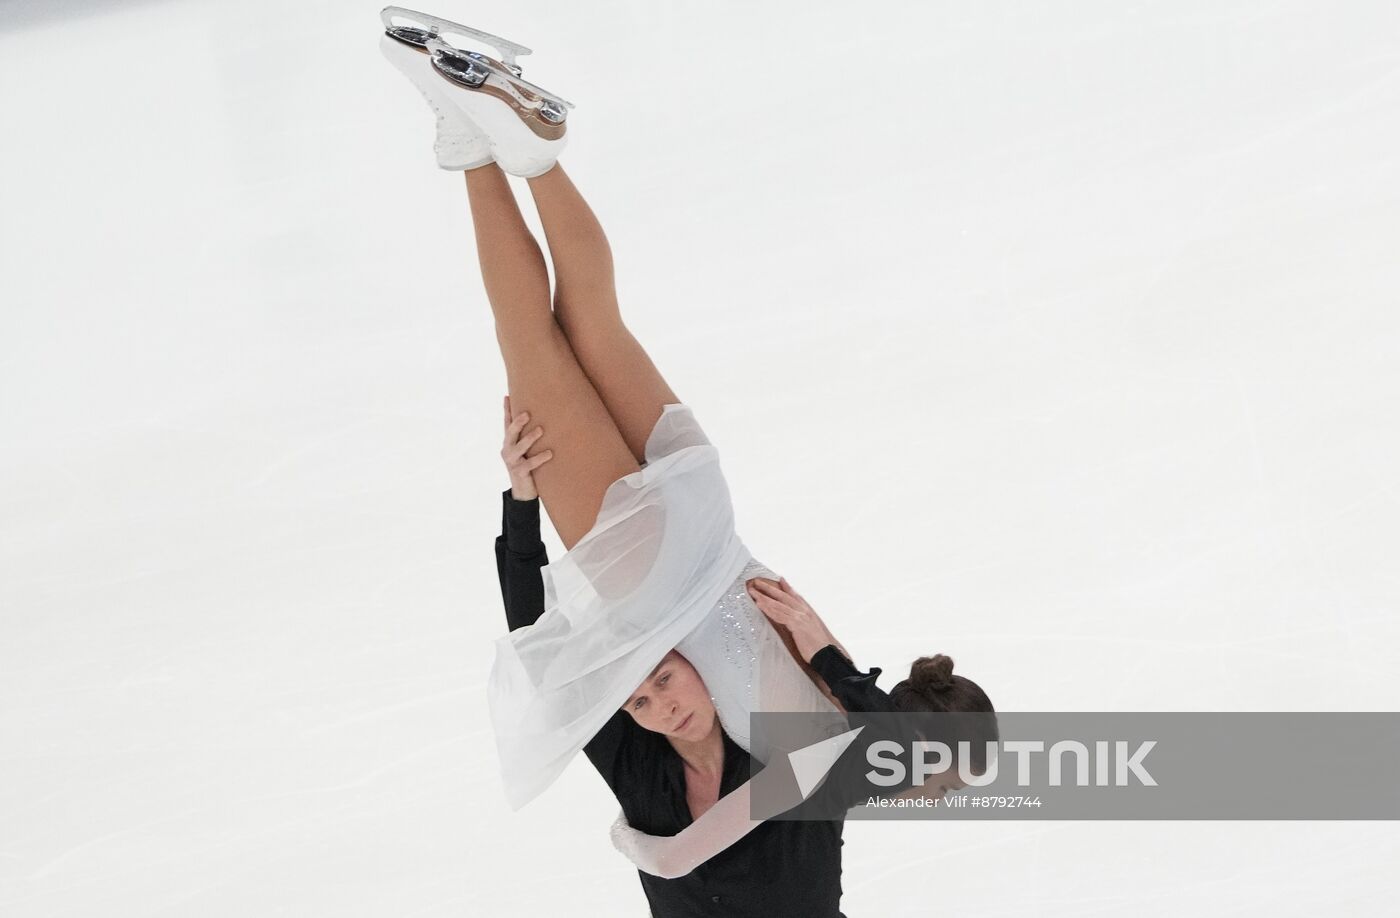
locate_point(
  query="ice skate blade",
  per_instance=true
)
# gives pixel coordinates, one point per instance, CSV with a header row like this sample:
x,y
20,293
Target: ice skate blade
x,y
542,111
473,70
436,27
424,28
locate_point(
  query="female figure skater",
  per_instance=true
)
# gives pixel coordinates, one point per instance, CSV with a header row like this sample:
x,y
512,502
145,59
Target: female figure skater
x,y
653,565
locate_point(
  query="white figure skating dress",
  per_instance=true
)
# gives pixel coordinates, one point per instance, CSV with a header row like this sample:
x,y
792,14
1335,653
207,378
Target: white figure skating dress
x,y
661,569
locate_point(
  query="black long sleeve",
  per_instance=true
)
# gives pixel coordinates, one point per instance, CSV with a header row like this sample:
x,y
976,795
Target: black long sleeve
x,y
855,690
520,556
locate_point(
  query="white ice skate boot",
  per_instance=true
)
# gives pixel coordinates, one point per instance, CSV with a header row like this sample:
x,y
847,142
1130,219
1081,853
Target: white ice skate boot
x,y
523,123
460,144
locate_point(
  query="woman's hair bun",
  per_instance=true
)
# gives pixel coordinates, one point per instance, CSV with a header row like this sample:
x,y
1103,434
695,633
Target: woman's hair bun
x,y
933,673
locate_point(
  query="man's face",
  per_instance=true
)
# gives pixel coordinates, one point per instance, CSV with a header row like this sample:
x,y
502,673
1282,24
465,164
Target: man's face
x,y
673,701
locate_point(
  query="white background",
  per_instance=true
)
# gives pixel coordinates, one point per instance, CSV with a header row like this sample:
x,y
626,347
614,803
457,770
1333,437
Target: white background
x,y
1060,338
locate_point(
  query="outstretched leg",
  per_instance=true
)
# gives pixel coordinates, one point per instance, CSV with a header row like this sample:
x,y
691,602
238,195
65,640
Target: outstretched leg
x,y
542,374
585,306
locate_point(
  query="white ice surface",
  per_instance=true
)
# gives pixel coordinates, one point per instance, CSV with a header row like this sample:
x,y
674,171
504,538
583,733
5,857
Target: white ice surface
x,y
1061,338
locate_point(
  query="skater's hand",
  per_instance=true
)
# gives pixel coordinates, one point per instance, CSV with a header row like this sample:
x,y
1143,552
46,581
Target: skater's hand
x,y
785,606
520,466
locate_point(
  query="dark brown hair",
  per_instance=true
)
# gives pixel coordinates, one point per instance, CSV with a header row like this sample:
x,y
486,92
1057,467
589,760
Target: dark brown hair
x,y
931,686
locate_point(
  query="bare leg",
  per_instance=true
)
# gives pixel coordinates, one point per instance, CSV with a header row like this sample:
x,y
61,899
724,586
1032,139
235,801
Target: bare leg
x,y
542,374
585,306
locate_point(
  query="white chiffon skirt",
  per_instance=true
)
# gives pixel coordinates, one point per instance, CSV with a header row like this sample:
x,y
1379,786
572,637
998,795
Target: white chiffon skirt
x,y
662,568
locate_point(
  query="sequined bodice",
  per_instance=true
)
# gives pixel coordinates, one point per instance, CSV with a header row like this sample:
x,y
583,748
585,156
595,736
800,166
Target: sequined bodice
x,y
744,663
738,621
